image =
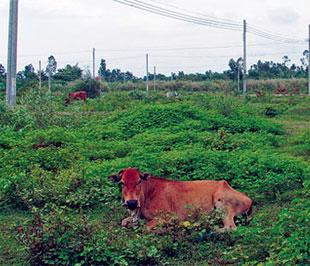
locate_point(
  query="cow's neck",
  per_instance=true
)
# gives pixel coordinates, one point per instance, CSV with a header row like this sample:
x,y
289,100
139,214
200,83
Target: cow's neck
x,y
148,189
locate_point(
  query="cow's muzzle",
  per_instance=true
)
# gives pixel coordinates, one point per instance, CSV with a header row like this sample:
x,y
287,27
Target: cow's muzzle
x,y
131,204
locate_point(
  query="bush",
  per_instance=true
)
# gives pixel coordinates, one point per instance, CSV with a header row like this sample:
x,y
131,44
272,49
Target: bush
x,y
93,87
18,118
266,175
57,237
271,112
291,244
64,189
60,236
154,117
137,94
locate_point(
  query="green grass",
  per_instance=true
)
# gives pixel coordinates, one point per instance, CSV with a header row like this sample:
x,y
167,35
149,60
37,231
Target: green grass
x,y
195,136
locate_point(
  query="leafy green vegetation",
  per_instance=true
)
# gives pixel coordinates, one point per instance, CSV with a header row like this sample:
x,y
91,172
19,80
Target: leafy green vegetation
x,y
59,208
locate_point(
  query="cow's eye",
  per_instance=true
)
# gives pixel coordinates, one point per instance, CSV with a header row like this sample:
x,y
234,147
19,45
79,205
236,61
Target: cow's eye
x,y
139,182
122,183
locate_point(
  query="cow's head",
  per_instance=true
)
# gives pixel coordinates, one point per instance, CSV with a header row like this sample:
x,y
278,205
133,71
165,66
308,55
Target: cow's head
x,y
131,180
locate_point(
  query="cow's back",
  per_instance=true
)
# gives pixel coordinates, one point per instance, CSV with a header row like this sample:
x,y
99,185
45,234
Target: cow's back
x,y
179,197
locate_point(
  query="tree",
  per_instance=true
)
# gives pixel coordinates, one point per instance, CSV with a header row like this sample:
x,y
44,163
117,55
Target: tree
x,y
285,60
69,73
103,72
29,73
304,59
2,77
51,69
235,68
51,65
2,72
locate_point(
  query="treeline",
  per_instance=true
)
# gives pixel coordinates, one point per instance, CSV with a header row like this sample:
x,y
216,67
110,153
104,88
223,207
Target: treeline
x,y
260,70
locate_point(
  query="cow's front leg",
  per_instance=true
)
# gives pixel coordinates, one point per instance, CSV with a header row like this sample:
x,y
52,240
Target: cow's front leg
x,y
132,219
150,225
127,221
229,223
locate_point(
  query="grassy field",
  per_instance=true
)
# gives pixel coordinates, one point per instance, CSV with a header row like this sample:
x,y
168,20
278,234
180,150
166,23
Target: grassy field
x,y
59,208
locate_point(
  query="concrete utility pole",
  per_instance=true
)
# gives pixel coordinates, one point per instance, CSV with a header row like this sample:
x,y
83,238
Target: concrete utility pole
x,y
12,54
40,77
147,74
94,65
154,78
238,78
309,63
244,59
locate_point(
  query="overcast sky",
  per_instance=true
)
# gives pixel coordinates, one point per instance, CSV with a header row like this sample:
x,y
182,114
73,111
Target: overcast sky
x,y
69,29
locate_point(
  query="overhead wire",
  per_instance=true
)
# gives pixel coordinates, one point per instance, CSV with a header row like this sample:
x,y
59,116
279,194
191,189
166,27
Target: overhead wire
x,y
272,36
197,13
178,15
214,22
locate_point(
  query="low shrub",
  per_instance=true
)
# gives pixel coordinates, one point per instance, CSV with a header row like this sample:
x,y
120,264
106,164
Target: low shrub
x,y
18,118
271,112
60,236
93,87
137,94
291,244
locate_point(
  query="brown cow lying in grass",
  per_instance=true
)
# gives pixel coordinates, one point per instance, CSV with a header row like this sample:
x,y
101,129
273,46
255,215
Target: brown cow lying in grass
x,y
146,196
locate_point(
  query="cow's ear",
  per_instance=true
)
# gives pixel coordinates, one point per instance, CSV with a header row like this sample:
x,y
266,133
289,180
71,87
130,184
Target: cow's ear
x,y
115,178
145,176
120,173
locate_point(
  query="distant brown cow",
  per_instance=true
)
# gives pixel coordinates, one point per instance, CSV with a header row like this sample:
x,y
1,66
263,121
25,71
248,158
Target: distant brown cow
x,y
77,95
146,196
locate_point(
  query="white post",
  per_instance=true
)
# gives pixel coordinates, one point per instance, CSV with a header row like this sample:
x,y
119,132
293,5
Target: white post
x,y
94,65
238,78
154,78
309,63
40,77
244,59
147,74
12,54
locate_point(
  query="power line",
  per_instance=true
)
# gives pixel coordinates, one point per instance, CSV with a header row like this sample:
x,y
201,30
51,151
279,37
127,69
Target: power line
x,y
221,56
216,23
209,18
194,48
178,15
272,36
197,13
142,50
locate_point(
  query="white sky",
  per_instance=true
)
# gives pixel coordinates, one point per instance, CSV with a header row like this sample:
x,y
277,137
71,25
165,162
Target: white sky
x,y
69,29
